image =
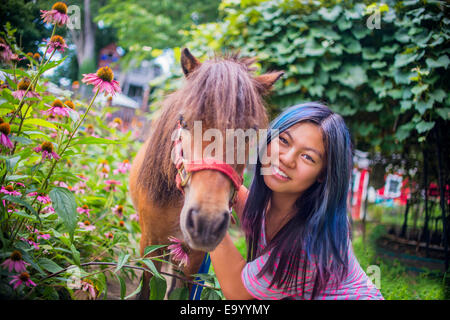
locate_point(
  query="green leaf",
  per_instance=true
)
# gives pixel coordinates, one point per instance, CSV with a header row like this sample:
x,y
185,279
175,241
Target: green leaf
x,y
149,263
402,60
123,287
444,113
179,294
424,126
49,265
442,61
39,122
158,287
373,106
65,206
123,258
330,15
418,89
423,106
11,162
438,95
94,140
75,255
135,292
351,76
152,248
52,64
210,294
22,203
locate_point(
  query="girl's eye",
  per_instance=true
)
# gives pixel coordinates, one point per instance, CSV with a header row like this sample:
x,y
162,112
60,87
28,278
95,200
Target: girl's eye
x,y
283,140
307,157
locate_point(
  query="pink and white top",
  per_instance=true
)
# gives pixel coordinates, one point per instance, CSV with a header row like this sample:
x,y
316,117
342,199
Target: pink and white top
x,y
355,286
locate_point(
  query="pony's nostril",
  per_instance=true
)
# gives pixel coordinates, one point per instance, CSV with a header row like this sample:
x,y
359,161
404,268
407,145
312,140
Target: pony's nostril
x,y
190,218
224,223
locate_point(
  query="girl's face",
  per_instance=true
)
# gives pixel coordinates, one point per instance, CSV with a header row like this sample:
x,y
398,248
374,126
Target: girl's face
x,y
300,162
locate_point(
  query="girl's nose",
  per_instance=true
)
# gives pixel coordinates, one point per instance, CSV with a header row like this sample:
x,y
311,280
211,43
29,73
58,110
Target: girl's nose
x,y
287,158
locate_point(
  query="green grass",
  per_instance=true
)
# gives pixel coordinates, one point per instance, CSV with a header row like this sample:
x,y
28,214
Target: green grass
x,y
397,281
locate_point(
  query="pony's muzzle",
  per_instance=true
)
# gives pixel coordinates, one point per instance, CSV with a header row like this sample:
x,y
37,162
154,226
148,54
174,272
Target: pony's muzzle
x,y
206,230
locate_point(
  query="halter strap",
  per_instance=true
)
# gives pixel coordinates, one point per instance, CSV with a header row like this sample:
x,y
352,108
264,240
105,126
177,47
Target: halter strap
x,y
185,168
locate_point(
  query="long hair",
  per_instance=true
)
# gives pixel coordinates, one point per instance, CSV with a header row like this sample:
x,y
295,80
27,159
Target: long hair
x,y
317,237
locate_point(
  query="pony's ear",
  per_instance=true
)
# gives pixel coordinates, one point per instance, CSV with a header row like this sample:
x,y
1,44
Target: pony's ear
x,y
188,62
267,80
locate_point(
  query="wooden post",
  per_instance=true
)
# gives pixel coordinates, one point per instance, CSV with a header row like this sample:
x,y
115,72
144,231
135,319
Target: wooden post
x,y
425,235
442,192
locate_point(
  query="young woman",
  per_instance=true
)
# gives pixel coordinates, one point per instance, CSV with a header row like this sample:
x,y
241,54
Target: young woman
x,y
295,217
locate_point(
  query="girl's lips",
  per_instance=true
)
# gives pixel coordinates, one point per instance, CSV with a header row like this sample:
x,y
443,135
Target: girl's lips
x,y
277,174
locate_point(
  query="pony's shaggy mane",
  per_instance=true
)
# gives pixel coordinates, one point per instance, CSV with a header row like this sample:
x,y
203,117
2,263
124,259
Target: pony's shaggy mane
x,y
222,93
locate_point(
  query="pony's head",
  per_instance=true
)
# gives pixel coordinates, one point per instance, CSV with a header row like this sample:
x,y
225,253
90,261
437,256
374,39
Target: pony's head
x,y
218,96
223,94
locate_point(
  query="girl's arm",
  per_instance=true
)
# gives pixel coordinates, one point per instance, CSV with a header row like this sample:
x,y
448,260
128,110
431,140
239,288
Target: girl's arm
x,y
228,264
241,198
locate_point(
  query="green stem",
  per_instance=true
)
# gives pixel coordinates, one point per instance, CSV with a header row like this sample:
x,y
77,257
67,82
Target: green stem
x,y
36,77
44,183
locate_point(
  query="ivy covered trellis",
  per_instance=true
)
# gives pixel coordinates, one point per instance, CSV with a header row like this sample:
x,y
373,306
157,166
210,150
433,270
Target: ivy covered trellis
x,y
383,66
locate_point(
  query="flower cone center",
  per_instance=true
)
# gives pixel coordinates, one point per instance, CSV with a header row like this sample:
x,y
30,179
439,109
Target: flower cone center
x,y
57,103
24,84
24,276
5,128
58,39
61,7
47,146
16,256
105,73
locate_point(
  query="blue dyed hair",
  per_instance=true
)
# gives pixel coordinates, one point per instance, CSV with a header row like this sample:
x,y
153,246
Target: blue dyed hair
x,y
319,233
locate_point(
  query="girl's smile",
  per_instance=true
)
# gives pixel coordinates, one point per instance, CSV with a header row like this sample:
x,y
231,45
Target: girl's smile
x,y
280,174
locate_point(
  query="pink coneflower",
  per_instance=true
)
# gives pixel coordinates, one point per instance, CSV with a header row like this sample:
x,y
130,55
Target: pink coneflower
x,y
57,108
58,14
15,262
86,225
109,235
179,251
88,286
61,184
24,277
118,210
47,151
31,242
116,123
56,43
22,87
5,52
10,190
5,130
134,217
84,209
123,167
48,209
42,198
111,185
41,235
80,187
103,80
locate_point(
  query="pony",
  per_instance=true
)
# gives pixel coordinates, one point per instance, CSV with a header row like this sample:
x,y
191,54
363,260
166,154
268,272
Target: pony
x,y
222,93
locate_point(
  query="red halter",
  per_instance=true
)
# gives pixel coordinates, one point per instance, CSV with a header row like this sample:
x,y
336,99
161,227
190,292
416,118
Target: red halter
x,y
185,168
